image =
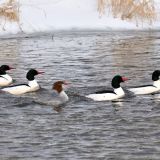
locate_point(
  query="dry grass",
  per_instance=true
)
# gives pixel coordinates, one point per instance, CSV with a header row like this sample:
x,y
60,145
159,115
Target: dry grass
x,y
9,11
101,6
138,10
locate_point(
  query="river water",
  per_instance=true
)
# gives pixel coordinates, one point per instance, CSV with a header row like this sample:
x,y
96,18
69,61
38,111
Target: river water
x,y
82,129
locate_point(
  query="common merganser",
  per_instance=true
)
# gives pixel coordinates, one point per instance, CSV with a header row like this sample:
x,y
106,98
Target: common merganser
x,y
148,89
5,79
24,88
56,96
110,95
58,87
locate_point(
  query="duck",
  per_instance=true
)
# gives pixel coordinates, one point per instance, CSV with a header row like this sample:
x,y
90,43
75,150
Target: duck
x,y
108,95
55,96
5,79
148,89
24,88
59,89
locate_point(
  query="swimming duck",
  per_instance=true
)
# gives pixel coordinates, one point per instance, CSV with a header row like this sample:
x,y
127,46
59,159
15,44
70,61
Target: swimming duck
x,y
116,93
24,88
5,79
148,89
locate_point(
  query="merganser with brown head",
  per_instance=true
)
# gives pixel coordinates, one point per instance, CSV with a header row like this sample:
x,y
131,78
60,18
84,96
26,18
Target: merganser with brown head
x,y
106,95
5,79
24,88
58,88
54,97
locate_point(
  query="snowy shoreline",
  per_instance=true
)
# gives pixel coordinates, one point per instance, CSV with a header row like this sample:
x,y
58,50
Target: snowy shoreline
x,y
37,16
70,32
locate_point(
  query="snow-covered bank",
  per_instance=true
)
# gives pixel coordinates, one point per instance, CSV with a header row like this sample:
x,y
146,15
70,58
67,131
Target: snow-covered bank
x,y
51,15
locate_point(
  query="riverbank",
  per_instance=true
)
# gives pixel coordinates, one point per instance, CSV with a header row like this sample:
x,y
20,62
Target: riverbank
x,y
37,16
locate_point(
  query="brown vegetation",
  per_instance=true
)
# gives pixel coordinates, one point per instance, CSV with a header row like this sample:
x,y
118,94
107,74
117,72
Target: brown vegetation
x,y
10,11
138,10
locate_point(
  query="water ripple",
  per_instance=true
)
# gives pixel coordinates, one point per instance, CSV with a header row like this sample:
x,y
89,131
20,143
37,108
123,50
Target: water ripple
x,y
81,129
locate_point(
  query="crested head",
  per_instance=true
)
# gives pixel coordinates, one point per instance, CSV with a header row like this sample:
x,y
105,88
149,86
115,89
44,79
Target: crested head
x,y
58,86
4,68
155,75
31,73
117,80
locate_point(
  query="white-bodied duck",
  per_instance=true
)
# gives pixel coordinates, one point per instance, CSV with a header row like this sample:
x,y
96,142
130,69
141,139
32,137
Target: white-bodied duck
x,y
148,89
24,88
106,95
5,79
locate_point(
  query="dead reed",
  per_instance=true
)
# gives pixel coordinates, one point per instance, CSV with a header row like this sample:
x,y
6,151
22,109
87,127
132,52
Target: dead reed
x,y
137,10
9,11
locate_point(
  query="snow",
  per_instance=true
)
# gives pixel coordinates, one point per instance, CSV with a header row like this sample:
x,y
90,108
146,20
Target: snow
x,y
53,15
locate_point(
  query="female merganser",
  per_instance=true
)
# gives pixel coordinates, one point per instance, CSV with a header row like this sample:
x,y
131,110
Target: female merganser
x,y
110,95
24,88
147,89
5,79
55,97
58,88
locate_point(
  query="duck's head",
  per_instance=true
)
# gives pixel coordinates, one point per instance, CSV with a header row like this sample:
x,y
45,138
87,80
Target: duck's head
x,y
5,68
155,75
117,80
31,73
58,86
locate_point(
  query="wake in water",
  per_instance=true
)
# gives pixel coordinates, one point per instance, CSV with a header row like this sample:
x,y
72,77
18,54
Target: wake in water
x,y
50,98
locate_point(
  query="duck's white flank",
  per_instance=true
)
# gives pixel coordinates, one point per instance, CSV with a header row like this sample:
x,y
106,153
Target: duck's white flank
x,y
147,89
21,89
119,93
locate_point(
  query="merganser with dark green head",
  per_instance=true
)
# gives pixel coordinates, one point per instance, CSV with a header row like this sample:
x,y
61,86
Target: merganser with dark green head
x,y
24,88
5,79
107,95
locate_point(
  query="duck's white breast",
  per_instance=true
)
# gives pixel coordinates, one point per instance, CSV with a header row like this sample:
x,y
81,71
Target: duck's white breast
x,y
5,80
34,86
64,97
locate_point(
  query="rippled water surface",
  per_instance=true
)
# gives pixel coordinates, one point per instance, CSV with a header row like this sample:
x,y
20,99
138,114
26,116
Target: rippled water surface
x,y
82,129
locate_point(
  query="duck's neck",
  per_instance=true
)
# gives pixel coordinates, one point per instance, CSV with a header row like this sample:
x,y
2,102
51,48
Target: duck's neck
x,y
7,77
64,96
156,83
119,91
33,84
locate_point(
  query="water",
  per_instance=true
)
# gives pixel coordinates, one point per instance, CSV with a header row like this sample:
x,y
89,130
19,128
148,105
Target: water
x,y
81,129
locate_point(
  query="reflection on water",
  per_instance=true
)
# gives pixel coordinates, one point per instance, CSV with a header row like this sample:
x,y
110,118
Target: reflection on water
x,y
82,129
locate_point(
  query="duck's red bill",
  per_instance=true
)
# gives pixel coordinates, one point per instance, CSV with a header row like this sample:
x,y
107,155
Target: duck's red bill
x,y
124,79
66,82
40,72
11,67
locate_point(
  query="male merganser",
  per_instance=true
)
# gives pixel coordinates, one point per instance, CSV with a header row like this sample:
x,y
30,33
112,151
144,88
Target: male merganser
x,y
147,89
110,95
5,79
24,88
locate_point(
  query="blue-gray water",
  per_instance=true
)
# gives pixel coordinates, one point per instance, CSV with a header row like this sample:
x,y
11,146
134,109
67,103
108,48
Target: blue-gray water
x,y
82,130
